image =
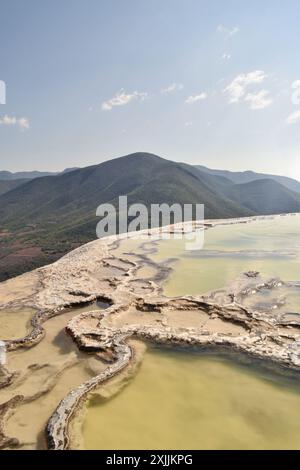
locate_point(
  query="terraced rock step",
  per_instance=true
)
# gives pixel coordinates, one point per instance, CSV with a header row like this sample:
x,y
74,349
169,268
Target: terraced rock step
x,y
124,274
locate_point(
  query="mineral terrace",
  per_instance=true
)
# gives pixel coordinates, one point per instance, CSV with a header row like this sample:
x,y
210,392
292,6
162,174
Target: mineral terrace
x,y
130,284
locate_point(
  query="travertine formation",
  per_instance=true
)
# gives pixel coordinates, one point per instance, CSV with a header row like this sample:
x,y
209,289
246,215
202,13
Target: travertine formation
x,y
138,309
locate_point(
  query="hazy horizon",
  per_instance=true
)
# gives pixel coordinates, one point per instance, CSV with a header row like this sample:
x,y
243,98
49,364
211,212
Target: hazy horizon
x,y
58,170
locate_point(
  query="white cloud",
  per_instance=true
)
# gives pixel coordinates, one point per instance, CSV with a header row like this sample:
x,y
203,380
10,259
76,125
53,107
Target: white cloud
x,y
122,98
226,56
236,90
22,122
259,100
228,31
293,118
2,92
188,123
173,87
296,92
8,120
195,98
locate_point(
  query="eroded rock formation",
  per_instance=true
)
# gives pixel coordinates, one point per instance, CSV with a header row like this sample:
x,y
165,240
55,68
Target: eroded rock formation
x,y
223,319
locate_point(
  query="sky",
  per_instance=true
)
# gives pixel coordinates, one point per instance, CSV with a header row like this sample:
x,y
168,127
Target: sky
x,y
213,83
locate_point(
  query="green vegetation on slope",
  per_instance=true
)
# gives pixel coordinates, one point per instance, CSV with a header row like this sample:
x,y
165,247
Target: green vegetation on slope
x,y
241,177
8,185
54,214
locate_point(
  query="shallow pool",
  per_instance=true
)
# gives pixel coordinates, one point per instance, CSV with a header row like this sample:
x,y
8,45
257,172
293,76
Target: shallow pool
x,y
188,400
270,246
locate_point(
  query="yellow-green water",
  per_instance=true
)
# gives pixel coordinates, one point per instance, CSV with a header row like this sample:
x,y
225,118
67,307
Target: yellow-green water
x,y
184,400
45,373
270,246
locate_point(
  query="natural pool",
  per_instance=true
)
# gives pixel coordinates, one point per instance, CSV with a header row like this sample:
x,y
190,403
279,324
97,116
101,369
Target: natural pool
x,y
176,399
44,373
188,400
270,246
15,324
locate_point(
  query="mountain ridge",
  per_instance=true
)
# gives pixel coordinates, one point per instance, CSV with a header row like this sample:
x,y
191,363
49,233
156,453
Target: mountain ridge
x,y
247,176
51,215
8,185
29,175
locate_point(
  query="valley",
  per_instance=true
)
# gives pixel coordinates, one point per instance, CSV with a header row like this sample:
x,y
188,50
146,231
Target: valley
x,y
48,216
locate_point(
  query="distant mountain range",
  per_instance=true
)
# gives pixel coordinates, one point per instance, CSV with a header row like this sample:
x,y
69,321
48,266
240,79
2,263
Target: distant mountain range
x,y
7,185
8,175
29,175
51,215
240,177
9,180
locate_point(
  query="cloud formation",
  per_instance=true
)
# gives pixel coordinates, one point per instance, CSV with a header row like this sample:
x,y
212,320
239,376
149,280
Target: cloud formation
x,y
226,56
122,98
237,89
293,118
228,31
194,98
259,100
173,87
2,92
296,92
22,123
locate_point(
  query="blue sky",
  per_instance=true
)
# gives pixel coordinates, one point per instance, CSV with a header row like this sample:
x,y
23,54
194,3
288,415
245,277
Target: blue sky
x,y
206,82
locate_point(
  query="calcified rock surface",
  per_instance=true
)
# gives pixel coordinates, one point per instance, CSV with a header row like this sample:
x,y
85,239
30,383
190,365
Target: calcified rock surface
x,y
222,319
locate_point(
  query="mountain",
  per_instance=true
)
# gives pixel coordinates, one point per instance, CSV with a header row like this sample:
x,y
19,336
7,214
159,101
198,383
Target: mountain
x,y
7,185
264,196
240,177
9,181
9,176
73,197
68,170
48,216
